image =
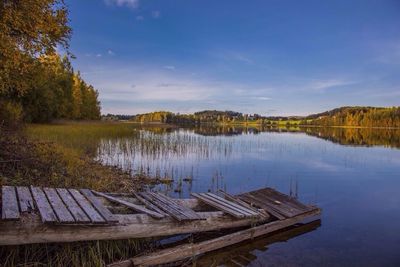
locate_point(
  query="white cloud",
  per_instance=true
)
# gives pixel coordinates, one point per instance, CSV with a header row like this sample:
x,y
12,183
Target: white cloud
x,y
321,85
262,98
110,52
169,67
140,18
155,14
127,3
98,55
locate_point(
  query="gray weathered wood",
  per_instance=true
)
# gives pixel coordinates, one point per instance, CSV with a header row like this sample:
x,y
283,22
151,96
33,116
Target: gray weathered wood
x,y
9,202
105,213
62,212
188,213
233,205
130,205
270,209
94,216
46,212
148,204
206,199
76,211
25,199
192,250
169,209
245,204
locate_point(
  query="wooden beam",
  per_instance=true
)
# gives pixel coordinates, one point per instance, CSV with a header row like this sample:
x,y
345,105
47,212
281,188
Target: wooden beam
x,y
192,250
9,203
130,205
130,226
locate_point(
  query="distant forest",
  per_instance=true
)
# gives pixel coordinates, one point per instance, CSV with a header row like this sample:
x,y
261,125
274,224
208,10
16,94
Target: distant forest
x,y
36,84
344,116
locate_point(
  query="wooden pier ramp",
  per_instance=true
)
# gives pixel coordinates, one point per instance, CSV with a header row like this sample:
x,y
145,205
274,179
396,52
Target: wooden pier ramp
x,y
43,215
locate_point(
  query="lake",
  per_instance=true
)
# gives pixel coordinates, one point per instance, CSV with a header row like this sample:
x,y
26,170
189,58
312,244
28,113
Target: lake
x,y
352,174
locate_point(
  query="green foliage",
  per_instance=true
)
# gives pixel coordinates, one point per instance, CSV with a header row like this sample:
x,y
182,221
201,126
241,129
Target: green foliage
x,y
36,85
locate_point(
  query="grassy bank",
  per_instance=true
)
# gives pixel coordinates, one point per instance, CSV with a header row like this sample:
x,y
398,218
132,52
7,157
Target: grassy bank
x,y
31,156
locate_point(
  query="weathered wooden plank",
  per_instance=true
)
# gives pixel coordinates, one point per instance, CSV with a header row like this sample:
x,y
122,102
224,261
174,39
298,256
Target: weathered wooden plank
x,y
217,205
25,199
227,205
163,205
94,216
130,226
187,212
252,200
192,250
130,205
62,212
105,213
98,205
281,207
9,203
245,204
76,211
233,205
46,212
148,204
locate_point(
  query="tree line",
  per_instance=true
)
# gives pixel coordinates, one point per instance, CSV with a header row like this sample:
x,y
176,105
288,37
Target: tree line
x,y
344,116
36,83
357,117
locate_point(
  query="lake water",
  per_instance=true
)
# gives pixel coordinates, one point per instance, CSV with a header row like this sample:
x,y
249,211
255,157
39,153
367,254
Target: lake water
x,y
352,174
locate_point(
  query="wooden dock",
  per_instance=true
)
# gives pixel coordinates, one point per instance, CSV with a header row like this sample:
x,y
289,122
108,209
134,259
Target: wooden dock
x,y
42,215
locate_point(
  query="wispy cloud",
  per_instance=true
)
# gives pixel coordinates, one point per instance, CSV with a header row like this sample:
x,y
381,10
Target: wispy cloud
x,y
98,55
322,85
156,14
139,18
169,67
110,52
126,3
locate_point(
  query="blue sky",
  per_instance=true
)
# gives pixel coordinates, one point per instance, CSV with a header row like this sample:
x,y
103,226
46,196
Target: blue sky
x,y
276,57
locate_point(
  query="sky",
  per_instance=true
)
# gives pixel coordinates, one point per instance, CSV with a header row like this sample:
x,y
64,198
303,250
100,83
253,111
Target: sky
x,y
271,57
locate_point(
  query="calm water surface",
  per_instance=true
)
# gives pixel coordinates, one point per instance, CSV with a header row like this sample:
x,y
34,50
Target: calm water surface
x,y
353,175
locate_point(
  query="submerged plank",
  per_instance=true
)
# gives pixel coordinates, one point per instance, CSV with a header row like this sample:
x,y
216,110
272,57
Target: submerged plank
x,y
106,213
94,216
46,212
25,199
192,250
76,211
130,205
62,212
9,203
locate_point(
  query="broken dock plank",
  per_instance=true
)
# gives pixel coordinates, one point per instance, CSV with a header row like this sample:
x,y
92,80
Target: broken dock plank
x,y
238,207
10,210
46,212
94,216
106,213
76,211
148,204
208,200
170,207
62,212
130,205
25,199
237,200
193,250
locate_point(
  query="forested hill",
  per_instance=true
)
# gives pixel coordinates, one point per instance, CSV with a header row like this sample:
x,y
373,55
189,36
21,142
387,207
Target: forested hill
x,y
356,116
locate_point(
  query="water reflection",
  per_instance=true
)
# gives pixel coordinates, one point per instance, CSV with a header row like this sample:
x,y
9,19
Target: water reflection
x,y
245,254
